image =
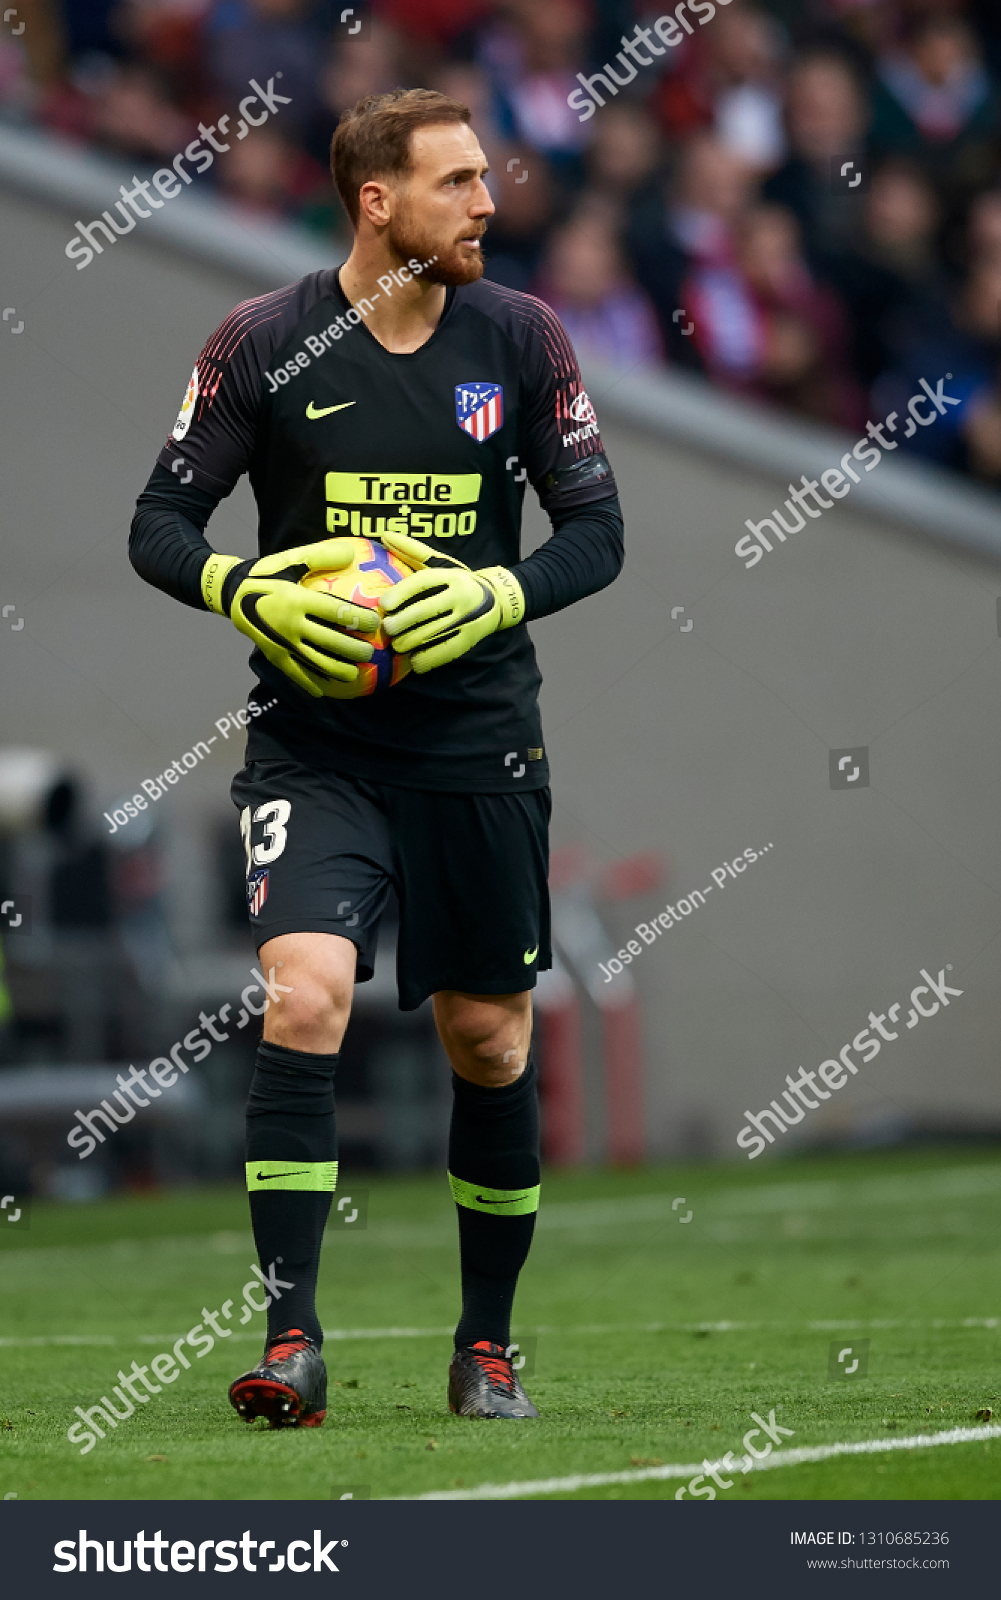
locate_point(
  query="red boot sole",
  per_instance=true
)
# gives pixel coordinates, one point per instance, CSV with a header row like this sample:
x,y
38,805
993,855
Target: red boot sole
x,y
263,1397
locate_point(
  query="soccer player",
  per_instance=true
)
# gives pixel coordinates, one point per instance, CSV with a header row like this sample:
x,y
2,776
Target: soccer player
x,y
405,399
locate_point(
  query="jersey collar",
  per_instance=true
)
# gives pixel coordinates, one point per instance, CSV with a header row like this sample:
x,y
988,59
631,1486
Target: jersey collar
x,y
336,293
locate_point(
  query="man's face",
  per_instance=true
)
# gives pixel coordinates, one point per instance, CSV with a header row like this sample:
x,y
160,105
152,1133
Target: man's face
x,y
441,208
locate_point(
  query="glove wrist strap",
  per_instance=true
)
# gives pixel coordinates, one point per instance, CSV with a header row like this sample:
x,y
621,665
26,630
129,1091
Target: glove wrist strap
x,y
509,595
214,573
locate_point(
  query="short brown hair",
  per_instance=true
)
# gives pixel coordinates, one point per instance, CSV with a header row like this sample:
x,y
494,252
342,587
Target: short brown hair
x,y
373,138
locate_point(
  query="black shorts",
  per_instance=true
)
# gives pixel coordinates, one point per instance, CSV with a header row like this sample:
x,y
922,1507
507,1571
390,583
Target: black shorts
x,y
469,870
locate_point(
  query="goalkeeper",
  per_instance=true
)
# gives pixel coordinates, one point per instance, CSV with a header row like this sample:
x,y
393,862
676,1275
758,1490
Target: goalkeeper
x,y
406,399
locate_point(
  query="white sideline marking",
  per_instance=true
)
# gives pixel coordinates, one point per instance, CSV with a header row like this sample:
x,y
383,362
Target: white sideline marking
x,y
168,1338
781,1458
62,1338
328,1333
542,1330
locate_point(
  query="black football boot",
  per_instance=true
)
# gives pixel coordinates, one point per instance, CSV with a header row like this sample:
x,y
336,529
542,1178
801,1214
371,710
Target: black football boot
x,y
288,1385
482,1382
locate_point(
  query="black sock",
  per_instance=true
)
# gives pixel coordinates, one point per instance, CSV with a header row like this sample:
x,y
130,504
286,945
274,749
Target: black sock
x,y
493,1169
291,1174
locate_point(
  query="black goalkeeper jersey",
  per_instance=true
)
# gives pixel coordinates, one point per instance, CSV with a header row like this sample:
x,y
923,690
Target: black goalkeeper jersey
x,y
340,436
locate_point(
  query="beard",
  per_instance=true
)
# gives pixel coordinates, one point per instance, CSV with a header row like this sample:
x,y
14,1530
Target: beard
x,y
453,265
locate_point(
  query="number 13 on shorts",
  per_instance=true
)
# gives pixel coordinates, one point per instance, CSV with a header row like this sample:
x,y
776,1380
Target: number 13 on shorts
x,y
274,814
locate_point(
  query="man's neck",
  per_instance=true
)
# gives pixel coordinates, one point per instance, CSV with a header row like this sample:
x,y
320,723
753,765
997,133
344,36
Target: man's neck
x,y
403,315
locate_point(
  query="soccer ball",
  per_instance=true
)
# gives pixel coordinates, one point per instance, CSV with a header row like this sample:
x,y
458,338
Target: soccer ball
x,y
373,570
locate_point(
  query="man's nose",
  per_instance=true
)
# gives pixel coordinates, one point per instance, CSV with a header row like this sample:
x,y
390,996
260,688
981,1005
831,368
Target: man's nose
x,y
483,203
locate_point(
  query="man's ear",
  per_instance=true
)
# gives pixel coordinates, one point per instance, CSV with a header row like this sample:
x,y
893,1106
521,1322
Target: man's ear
x,y
374,202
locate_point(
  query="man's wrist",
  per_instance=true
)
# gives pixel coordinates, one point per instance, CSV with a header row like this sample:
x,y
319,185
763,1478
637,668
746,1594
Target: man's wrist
x,y
509,595
214,574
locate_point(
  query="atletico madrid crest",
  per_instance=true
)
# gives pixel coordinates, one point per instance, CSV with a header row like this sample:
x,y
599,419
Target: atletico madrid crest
x,y
257,892
479,409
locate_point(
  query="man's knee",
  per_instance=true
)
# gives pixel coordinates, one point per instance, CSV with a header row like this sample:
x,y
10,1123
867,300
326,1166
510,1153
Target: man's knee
x,y
491,1059
312,1017
487,1041
312,1012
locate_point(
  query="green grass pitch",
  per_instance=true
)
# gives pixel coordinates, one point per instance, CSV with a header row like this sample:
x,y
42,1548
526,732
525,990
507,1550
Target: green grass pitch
x,y
656,1338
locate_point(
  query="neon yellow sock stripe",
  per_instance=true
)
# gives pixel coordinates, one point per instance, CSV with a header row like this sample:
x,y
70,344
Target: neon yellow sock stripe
x,y
316,1175
498,1202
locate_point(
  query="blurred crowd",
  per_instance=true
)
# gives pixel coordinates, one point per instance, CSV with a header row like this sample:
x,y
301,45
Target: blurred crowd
x,y
800,199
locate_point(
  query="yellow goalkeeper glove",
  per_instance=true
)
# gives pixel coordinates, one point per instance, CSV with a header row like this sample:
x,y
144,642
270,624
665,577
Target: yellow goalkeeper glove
x,y
297,629
445,608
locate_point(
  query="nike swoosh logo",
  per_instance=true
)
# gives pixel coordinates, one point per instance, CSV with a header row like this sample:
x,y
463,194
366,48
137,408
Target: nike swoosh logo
x,y
313,414
265,1177
530,956
513,1201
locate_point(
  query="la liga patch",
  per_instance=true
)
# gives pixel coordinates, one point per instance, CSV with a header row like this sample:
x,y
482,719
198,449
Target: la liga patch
x,y
479,409
186,414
